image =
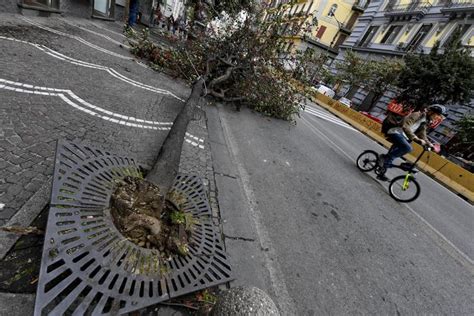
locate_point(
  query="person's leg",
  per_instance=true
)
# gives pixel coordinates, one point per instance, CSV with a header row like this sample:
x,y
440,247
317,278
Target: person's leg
x,y
400,147
132,18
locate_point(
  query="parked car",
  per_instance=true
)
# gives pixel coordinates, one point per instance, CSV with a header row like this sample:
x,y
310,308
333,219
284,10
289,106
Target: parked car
x,y
326,91
378,117
346,102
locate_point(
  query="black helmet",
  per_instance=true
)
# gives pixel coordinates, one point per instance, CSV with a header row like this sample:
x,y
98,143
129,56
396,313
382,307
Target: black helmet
x,y
438,108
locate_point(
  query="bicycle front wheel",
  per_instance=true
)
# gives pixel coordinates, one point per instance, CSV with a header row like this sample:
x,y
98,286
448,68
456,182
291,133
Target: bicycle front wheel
x,y
404,188
367,161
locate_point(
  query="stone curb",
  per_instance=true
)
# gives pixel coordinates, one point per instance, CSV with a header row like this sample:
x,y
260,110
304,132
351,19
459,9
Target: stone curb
x,y
25,216
13,304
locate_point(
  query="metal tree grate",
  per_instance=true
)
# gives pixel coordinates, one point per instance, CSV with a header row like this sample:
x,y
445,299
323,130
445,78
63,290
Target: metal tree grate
x,y
89,268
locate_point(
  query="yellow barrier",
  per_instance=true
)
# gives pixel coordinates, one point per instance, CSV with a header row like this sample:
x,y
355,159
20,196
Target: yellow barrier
x,y
455,177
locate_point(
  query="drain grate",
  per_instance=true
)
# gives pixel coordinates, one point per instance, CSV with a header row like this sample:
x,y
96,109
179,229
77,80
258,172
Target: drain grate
x,y
88,267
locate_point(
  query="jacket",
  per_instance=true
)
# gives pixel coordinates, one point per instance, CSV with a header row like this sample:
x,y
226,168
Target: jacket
x,y
410,120
408,126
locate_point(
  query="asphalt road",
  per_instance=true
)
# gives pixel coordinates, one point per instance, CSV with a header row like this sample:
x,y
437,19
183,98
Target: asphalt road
x,y
330,240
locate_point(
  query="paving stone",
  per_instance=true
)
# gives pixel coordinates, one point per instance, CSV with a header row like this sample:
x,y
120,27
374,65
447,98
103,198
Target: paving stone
x,y
32,124
3,164
14,189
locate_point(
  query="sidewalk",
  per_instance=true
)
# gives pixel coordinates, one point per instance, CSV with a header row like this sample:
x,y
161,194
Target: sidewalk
x,y
75,79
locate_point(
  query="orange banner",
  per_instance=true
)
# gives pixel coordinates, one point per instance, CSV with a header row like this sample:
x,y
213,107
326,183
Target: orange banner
x,y
398,108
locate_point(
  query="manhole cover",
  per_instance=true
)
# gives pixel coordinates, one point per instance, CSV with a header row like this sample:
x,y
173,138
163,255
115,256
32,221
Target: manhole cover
x,y
88,267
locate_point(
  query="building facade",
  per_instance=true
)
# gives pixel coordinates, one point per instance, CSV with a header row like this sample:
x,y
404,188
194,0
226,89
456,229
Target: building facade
x,y
101,9
393,28
332,22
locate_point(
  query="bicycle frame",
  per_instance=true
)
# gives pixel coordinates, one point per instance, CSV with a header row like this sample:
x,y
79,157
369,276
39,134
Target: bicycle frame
x,y
406,182
409,171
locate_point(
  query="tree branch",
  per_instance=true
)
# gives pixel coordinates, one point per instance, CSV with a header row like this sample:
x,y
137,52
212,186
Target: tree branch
x,y
222,78
221,95
228,61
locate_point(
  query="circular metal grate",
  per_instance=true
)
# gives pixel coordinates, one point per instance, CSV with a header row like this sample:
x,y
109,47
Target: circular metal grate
x,y
88,267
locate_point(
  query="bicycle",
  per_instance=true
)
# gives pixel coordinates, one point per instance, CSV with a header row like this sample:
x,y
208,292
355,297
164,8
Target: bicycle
x,y
400,186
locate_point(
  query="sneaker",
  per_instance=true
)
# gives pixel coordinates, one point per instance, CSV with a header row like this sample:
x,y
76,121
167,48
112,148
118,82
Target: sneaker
x,y
380,171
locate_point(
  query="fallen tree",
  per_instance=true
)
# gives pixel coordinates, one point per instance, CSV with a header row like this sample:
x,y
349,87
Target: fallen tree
x,y
239,60
242,59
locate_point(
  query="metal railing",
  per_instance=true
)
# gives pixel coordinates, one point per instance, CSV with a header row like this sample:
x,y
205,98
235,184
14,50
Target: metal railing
x,y
459,4
414,6
361,4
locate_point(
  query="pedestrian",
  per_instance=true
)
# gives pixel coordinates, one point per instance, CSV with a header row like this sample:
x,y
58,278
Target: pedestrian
x,y
133,11
176,25
158,15
182,28
170,23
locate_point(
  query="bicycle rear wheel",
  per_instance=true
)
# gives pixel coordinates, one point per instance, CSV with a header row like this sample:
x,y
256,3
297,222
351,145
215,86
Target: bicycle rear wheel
x,y
367,161
404,188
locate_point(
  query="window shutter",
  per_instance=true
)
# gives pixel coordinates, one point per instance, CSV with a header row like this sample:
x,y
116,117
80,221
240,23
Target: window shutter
x,y
321,31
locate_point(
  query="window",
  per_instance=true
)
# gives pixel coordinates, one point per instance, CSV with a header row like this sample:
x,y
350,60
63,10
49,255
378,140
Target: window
x,y
368,36
310,4
340,40
350,23
460,29
419,36
390,5
332,10
362,3
391,34
321,30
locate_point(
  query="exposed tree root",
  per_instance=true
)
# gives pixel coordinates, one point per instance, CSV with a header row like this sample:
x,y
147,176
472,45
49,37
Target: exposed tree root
x,y
145,217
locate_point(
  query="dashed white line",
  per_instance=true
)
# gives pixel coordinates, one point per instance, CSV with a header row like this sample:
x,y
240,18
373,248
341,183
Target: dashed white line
x,y
328,117
110,71
331,143
98,34
77,38
65,95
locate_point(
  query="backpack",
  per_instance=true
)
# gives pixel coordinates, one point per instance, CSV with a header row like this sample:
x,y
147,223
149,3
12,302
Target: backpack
x,y
395,114
392,120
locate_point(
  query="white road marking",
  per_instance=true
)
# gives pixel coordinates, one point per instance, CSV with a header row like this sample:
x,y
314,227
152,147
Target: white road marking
x,y
77,38
284,300
81,63
317,131
429,178
440,235
96,33
328,117
67,95
106,29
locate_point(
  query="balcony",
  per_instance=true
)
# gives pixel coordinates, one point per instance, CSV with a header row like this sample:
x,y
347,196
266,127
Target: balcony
x,y
416,9
455,6
316,42
360,5
346,29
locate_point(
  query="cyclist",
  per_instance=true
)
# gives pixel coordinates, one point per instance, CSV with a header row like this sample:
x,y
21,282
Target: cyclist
x,y
412,128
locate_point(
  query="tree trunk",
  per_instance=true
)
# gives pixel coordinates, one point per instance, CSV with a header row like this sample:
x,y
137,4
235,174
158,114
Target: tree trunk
x,y
352,92
166,167
374,101
368,102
